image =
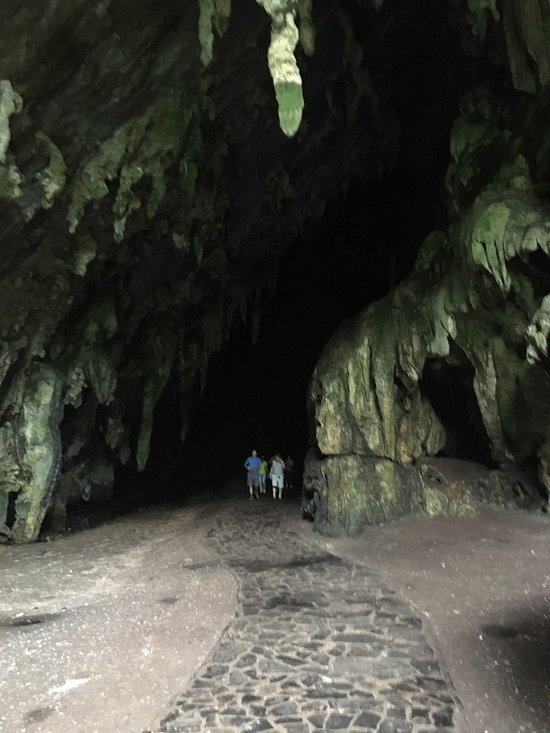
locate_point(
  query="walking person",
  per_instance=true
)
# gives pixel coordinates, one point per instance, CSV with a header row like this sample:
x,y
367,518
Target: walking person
x,y
262,474
252,465
289,467
277,475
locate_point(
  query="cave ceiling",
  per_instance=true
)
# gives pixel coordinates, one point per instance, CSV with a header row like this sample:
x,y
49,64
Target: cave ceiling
x,y
156,160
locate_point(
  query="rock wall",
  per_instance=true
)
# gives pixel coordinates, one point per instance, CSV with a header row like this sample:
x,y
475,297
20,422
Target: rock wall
x,y
146,161
156,161
478,297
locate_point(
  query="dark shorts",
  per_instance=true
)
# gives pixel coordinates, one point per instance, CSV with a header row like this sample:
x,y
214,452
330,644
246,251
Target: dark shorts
x,y
253,477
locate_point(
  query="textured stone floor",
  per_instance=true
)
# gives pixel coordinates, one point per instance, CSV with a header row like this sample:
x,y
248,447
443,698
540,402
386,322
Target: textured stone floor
x,y
318,644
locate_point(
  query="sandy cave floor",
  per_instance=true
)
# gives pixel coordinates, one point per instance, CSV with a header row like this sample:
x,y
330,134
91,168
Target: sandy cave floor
x,y
483,586
101,631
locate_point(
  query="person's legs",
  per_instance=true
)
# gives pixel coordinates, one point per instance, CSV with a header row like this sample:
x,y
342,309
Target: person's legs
x,y
253,482
277,482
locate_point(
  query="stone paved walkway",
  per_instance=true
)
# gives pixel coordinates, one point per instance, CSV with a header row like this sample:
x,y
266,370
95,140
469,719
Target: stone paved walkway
x,y
318,644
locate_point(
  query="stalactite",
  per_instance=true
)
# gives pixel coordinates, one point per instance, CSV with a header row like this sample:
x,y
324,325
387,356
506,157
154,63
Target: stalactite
x,y
157,374
10,178
33,459
214,14
283,67
140,148
53,177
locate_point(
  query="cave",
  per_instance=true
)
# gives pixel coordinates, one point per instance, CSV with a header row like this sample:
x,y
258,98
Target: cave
x,y
256,386
272,224
449,389
307,227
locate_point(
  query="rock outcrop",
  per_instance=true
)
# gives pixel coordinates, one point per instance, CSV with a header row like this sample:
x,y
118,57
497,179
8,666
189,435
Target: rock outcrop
x,y
478,298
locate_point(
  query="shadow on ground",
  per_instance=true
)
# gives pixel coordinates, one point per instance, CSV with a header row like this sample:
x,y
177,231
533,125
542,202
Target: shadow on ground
x,y
520,642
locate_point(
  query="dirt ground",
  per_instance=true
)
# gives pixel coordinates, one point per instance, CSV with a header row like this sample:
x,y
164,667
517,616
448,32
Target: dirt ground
x,y
101,629
483,586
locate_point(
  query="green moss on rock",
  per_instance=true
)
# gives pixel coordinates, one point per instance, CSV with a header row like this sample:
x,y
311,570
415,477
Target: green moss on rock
x,y
10,104
10,177
465,292
53,177
159,368
355,491
213,14
283,67
458,504
32,463
143,147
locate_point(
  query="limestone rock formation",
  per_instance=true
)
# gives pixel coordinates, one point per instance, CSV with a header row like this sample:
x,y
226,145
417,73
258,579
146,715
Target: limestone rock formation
x,y
478,298
142,168
156,160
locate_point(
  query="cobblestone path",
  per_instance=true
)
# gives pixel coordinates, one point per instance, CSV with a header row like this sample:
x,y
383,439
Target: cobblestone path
x,y
318,644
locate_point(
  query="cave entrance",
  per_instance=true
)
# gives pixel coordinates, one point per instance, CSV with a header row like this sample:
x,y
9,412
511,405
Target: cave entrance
x,y
364,245
255,395
449,388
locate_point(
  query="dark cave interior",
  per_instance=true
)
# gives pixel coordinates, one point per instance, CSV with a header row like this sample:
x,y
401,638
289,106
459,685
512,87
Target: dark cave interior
x,y
256,393
366,243
253,393
450,391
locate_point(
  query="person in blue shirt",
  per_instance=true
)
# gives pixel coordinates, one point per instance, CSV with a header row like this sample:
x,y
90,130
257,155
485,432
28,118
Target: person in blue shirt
x,y
252,465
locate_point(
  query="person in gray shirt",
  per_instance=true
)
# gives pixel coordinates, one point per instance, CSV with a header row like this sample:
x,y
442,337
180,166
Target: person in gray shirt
x,y
277,475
